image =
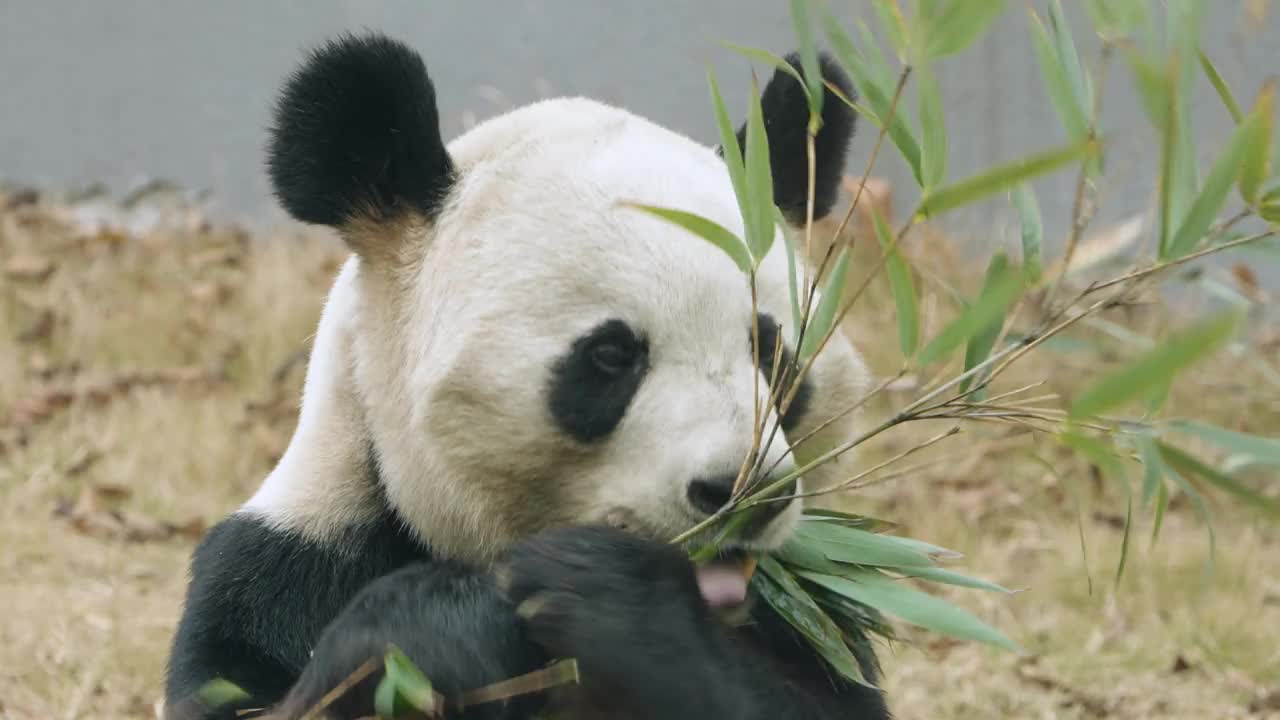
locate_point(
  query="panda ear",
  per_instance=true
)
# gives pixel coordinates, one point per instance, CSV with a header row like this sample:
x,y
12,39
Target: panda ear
x,y
786,121
356,136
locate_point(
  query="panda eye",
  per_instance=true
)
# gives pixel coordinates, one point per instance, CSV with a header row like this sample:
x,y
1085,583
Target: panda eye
x,y
612,358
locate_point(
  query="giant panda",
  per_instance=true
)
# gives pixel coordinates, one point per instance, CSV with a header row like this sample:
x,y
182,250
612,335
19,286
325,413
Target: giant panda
x,y
520,391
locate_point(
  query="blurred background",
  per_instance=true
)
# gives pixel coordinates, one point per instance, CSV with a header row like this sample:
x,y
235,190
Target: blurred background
x,y
129,90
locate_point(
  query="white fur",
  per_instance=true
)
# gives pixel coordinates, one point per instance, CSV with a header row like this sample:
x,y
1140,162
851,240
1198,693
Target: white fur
x,y
441,358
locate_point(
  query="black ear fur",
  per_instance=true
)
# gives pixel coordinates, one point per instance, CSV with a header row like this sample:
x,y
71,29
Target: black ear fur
x,y
356,133
786,123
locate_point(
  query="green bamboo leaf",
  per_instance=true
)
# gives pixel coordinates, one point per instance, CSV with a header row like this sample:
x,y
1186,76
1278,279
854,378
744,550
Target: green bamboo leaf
x,y
879,98
1162,504
1204,209
761,231
1197,503
1256,161
1152,467
958,24
708,230
861,522
991,305
1108,463
824,316
981,342
764,57
1077,78
949,577
808,61
793,291
1154,367
1003,177
1153,88
895,26
933,129
1220,85
904,292
730,149
876,63
1264,450
844,544
385,697
1189,464
794,604
220,692
1057,81
410,684
897,599
1024,199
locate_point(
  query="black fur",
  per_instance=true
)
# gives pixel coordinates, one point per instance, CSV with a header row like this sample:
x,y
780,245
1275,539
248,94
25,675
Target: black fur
x,y
786,123
356,132
627,609
769,337
590,391
258,599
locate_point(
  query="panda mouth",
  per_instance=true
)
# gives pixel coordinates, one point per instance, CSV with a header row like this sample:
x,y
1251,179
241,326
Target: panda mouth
x,y
723,580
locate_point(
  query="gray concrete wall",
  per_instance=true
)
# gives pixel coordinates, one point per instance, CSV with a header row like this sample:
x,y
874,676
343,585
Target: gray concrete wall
x,y
113,91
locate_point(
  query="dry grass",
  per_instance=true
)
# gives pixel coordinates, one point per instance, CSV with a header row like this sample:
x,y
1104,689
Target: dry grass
x,y
140,398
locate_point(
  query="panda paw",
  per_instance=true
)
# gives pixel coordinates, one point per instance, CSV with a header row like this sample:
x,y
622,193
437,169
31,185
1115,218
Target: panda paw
x,y
627,609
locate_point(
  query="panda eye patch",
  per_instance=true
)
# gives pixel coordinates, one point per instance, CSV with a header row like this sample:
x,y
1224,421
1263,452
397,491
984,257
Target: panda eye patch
x,y
593,383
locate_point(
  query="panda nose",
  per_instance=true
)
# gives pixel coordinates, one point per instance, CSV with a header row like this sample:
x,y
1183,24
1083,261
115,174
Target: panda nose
x,y
709,495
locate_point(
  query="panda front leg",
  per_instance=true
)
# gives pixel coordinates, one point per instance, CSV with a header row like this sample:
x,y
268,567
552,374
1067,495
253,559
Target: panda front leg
x,y
630,612
453,624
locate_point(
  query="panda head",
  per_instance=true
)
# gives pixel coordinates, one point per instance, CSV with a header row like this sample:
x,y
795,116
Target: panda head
x,y
517,347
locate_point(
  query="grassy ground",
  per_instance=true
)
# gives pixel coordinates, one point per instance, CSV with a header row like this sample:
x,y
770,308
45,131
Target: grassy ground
x,y
149,380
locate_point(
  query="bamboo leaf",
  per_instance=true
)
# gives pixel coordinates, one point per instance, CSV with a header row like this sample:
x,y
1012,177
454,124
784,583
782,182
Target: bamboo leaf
x,y
1187,463
1263,450
764,57
958,24
730,149
1204,209
1220,85
1057,81
1152,88
410,684
876,63
1162,504
896,599
933,129
1152,467
808,61
792,289
1077,79
1003,177
761,231
1256,160
1024,199
220,692
708,230
879,98
949,577
904,292
981,342
385,697
895,26
991,305
794,604
1154,367
824,316
844,544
